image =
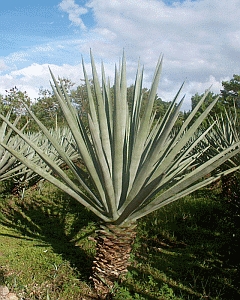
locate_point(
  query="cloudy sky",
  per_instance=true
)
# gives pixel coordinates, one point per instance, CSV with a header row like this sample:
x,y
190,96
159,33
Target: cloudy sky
x,y
200,41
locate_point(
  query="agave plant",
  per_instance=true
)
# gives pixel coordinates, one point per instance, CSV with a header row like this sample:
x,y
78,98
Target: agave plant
x,y
136,165
225,133
7,161
12,168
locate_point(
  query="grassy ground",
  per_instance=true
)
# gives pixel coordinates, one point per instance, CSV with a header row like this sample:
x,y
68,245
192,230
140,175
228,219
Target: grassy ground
x,y
185,251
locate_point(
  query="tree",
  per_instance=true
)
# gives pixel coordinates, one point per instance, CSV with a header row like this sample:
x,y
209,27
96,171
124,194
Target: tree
x,y
218,109
13,101
3,108
231,92
136,165
79,98
160,107
229,99
47,108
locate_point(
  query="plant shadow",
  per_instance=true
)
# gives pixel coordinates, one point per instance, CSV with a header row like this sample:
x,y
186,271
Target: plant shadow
x,y
186,247
54,218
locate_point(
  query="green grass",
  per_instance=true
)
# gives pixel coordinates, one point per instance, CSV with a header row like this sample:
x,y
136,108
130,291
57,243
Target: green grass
x,y
184,251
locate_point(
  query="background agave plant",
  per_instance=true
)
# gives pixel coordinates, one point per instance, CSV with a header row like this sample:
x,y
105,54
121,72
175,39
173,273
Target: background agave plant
x,y
225,133
12,168
7,161
135,165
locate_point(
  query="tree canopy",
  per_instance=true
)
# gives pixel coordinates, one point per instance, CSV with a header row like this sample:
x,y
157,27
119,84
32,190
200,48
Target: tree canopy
x,y
46,106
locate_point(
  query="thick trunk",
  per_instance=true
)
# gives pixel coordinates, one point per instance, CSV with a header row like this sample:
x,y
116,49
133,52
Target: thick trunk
x,y
114,244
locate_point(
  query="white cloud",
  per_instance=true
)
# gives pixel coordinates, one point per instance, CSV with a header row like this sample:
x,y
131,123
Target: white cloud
x,y
198,39
17,57
74,12
3,66
35,76
189,32
45,48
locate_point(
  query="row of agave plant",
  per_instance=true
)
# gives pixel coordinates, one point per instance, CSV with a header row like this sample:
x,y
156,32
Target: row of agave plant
x,y
136,165
12,168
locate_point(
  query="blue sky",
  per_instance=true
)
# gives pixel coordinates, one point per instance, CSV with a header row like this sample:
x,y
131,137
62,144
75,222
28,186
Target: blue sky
x,y
24,24
200,41
33,29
